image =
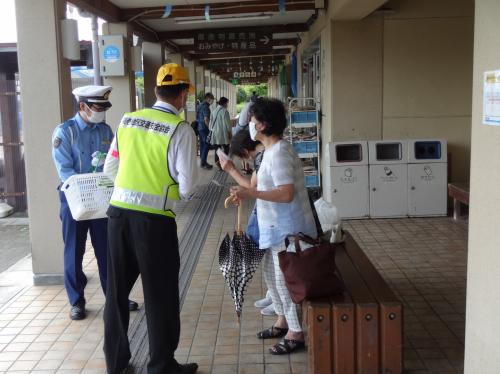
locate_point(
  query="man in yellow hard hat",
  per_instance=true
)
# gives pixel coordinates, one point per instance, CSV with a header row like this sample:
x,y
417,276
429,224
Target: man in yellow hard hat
x,y
153,161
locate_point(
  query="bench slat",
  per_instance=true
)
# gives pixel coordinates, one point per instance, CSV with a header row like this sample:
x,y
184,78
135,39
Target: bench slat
x,y
343,314
391,309
366,315
319,341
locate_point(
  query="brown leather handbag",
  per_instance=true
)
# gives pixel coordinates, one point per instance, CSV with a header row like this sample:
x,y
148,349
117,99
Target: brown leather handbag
x,y
310,273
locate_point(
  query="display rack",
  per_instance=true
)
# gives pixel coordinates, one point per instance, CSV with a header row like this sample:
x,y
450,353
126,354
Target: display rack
x,y
304,134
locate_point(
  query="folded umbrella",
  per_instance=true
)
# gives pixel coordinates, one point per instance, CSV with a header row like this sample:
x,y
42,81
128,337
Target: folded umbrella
x,y
239,258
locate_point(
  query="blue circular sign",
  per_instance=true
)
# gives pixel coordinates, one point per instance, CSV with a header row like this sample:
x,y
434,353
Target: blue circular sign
x,y
111,54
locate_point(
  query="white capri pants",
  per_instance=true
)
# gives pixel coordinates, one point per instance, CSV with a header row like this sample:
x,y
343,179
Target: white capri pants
x,y
275,281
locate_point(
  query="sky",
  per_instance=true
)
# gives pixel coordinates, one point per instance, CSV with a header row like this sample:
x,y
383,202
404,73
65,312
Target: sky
x,y
8,23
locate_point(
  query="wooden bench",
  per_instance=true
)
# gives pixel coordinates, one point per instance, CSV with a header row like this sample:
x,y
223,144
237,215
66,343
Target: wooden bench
x,y
360,331
460,194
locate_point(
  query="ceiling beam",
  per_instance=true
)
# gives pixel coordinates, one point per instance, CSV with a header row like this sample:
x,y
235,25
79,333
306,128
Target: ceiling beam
x,y
144,32
245,62
242,7
230,55
277,29
111,13
101,8
249,80
353,9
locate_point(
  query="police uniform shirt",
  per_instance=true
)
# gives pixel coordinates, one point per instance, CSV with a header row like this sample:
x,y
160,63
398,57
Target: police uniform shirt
x,y
181,155
74,142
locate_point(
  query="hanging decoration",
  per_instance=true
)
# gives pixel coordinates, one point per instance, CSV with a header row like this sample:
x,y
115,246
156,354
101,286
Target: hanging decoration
x,y
281,6
167,12
207,12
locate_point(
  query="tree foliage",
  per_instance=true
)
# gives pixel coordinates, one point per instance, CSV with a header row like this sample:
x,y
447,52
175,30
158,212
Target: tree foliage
x,y
245,91
241,95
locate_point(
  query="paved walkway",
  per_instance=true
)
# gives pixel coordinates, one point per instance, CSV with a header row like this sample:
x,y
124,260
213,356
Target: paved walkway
x,y
18,244
424,260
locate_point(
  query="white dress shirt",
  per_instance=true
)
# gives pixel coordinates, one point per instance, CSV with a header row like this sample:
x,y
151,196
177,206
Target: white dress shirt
x,y
181,156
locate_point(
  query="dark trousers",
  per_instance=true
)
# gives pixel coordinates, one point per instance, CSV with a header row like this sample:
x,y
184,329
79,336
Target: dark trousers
x,y
75,237
225,148
204,146
146,244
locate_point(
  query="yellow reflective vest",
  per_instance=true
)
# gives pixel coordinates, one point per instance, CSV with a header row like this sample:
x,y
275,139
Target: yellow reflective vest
x,y
144,182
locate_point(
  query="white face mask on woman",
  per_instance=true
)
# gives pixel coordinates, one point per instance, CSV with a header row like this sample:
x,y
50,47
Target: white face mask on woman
x,y
95,117
253,131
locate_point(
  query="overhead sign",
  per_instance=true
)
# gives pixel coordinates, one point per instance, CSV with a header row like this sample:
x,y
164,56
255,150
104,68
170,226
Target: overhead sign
x,y
225,41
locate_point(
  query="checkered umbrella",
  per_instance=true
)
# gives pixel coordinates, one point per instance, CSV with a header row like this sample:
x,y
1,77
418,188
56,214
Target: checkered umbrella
x,y
239,258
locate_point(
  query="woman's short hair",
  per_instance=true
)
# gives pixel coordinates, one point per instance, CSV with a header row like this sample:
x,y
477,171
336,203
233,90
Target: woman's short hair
x,y
242,143
223,101
271,113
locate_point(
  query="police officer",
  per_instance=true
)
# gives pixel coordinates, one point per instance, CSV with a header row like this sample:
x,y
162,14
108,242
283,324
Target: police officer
x,y
153,161
78,146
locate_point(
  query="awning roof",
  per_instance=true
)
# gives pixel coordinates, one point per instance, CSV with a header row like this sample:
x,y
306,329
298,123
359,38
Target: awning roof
x,y
186,25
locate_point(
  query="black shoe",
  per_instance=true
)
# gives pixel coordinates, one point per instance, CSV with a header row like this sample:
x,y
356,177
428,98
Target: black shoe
x,y
207,166
77,311
185,369
132,306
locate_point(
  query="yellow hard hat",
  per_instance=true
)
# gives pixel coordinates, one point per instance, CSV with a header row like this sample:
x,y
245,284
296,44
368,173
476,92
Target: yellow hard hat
x,y
173,74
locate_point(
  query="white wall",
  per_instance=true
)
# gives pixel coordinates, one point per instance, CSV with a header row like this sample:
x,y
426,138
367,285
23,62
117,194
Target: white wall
x,y
401,75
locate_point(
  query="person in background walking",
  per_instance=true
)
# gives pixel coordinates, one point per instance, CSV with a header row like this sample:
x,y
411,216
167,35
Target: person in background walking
x,y
203,118
220,125
79,146
154,161
253,97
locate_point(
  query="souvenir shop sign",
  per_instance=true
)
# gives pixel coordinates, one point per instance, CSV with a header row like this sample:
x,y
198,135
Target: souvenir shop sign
x,y
226,41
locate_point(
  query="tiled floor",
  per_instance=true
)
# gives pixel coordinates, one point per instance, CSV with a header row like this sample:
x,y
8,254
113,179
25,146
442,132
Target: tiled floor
x,y
424,260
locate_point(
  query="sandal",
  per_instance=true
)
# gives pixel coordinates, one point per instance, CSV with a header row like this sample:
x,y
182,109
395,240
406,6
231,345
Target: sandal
x,y
272,332
286,346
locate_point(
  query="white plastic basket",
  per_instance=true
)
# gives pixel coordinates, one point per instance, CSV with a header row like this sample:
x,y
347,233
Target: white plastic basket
x,y
88,195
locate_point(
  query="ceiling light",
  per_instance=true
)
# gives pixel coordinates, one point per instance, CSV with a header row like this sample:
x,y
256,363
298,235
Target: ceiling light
x,y
229,19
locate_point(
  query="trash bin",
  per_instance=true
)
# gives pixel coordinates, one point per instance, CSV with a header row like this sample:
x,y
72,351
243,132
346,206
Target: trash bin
x,y
348,178
388,168
427,177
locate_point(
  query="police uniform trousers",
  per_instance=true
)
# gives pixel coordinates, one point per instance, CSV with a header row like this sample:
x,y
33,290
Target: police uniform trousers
x,y
145,244
75,238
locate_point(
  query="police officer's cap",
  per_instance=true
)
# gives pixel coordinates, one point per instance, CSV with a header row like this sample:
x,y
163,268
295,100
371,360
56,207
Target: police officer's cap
x,y
96,95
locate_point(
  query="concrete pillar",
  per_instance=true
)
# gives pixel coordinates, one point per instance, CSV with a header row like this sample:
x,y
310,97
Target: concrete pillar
x,y
482,336
46,102
217,87
208,79
123,95
175,58
213,84
152,58
200,80
191,104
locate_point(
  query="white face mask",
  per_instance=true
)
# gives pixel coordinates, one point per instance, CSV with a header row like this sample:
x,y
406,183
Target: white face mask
x,y
253,131
96,117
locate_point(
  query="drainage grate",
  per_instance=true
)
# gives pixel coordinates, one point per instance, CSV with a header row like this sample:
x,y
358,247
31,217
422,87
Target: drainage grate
x,y
191,242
